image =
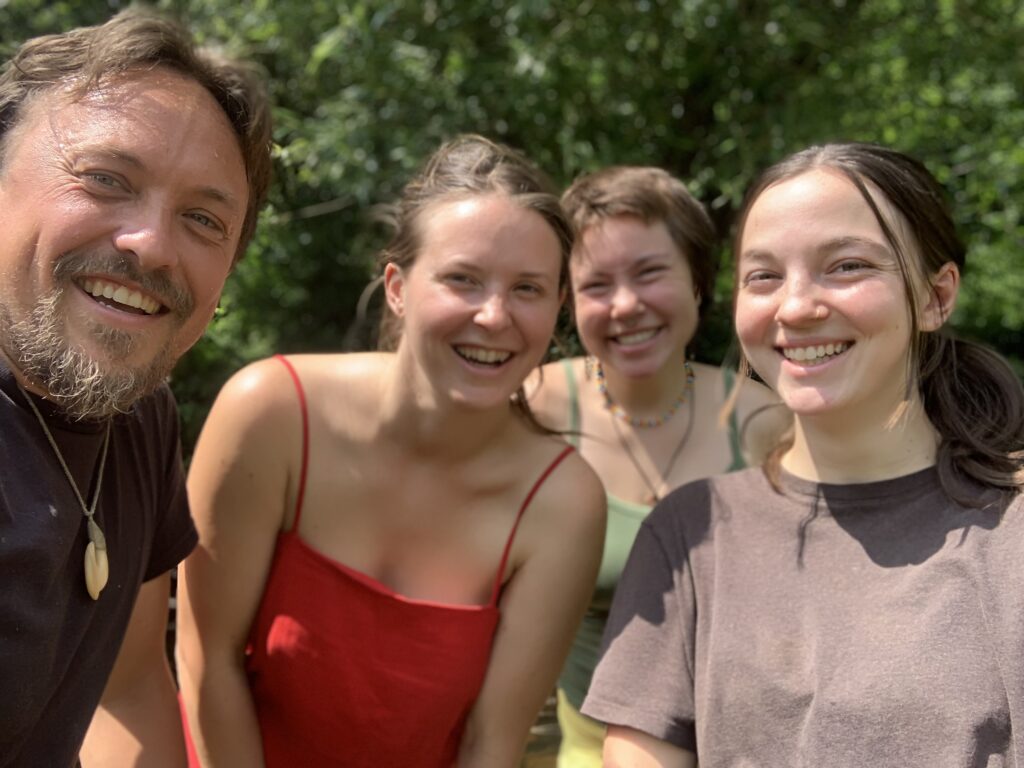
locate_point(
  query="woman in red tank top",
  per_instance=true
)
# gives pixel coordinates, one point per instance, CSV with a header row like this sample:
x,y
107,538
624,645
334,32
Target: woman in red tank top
x,y
393,556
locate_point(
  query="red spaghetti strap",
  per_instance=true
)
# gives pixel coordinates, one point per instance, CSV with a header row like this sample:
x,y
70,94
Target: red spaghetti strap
x,y
305,439
515,526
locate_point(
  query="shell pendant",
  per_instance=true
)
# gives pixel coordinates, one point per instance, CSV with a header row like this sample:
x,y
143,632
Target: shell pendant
x,y
97,570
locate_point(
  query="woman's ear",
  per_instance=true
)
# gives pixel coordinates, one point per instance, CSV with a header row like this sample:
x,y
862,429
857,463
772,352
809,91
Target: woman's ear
x,y
945,286
394,288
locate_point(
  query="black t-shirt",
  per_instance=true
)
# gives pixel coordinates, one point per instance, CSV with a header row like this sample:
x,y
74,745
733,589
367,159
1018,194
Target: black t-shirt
x,y
58,645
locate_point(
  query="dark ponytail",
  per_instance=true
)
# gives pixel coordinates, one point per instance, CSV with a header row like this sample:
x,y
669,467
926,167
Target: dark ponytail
x,y
976,402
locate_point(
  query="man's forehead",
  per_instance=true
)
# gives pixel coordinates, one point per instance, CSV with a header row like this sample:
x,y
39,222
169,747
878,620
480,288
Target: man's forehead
x,y
113,91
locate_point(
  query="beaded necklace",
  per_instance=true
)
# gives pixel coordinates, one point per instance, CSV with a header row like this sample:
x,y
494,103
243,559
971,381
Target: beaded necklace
x,y
593,365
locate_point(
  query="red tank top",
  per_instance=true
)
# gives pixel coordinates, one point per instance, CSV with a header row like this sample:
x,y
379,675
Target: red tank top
x,y
344,671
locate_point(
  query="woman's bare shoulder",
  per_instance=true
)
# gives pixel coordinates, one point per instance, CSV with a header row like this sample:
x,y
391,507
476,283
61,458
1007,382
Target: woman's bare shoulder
x,y
347,368
572,495
764,420
266,392
355,376
256,391
548,391
760,414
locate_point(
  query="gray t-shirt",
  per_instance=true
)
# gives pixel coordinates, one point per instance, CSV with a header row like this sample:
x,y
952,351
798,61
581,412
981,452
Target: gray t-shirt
x,y
877,624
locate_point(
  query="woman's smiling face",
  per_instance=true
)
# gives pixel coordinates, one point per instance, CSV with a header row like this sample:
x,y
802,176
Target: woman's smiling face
x,y
479,303
635,302
821,307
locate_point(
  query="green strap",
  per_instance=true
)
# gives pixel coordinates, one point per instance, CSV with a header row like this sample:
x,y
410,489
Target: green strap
x,y
738,462
574,403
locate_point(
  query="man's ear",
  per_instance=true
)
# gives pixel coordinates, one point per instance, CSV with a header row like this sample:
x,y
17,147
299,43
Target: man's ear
x,y
394,288
945,285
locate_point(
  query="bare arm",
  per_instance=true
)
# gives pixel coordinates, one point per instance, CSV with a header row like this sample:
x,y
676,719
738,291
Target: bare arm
x,y
137,722
238,489
629,748
541,607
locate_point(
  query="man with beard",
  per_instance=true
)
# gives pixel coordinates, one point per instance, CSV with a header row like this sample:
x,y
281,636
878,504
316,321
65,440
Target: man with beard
x,y
132,168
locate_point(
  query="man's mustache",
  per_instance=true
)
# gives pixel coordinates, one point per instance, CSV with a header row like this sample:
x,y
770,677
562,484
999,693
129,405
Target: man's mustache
x,y
175,298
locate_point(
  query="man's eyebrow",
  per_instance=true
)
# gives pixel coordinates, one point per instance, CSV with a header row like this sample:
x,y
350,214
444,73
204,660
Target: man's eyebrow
x,y
215,194
112,153
220,196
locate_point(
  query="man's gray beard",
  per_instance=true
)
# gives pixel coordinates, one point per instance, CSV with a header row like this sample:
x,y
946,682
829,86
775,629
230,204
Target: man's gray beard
x,y
72,380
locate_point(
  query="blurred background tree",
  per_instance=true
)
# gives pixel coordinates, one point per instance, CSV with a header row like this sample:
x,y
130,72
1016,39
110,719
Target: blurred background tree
x,y
712,90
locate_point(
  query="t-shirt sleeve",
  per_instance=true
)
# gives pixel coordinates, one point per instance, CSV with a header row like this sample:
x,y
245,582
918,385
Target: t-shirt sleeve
x,y
645,677
175,534
1003,587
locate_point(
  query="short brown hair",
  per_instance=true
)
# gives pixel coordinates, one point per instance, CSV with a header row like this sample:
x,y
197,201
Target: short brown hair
x,y
651,195
139,39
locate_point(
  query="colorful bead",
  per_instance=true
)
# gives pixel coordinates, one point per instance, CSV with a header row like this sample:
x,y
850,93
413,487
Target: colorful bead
x,y
616,410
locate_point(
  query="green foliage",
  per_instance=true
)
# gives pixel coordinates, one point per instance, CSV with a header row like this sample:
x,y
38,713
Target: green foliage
x,y
712,90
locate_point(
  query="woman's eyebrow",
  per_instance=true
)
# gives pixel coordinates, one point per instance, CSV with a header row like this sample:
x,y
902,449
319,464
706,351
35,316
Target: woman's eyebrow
x,y
853,241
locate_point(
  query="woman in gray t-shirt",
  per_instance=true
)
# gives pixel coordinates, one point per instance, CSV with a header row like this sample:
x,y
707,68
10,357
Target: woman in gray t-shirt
x,y
857,601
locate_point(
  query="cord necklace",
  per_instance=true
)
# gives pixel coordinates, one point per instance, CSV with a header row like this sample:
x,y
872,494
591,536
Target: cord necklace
x,y
654,497
97,567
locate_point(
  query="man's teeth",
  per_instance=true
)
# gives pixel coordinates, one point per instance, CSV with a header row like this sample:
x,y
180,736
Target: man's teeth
x,y
481,355
810,354
626,339
101,289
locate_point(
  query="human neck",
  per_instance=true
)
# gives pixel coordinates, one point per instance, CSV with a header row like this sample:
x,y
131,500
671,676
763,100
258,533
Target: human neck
x,y
20,378
828,451
414,418
647,396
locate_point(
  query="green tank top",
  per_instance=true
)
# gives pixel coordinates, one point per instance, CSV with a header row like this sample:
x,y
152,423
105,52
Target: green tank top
x,y
624,519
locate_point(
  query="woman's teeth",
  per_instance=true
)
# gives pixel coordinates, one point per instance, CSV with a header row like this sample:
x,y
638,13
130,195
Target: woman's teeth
x,y
481,355
101,289
629,339
815,353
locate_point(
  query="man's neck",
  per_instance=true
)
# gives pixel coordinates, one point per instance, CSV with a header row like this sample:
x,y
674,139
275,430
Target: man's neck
x,y
18,377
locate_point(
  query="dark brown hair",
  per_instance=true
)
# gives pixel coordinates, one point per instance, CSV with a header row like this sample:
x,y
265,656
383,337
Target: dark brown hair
x,y
651,195
140,39
971,395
